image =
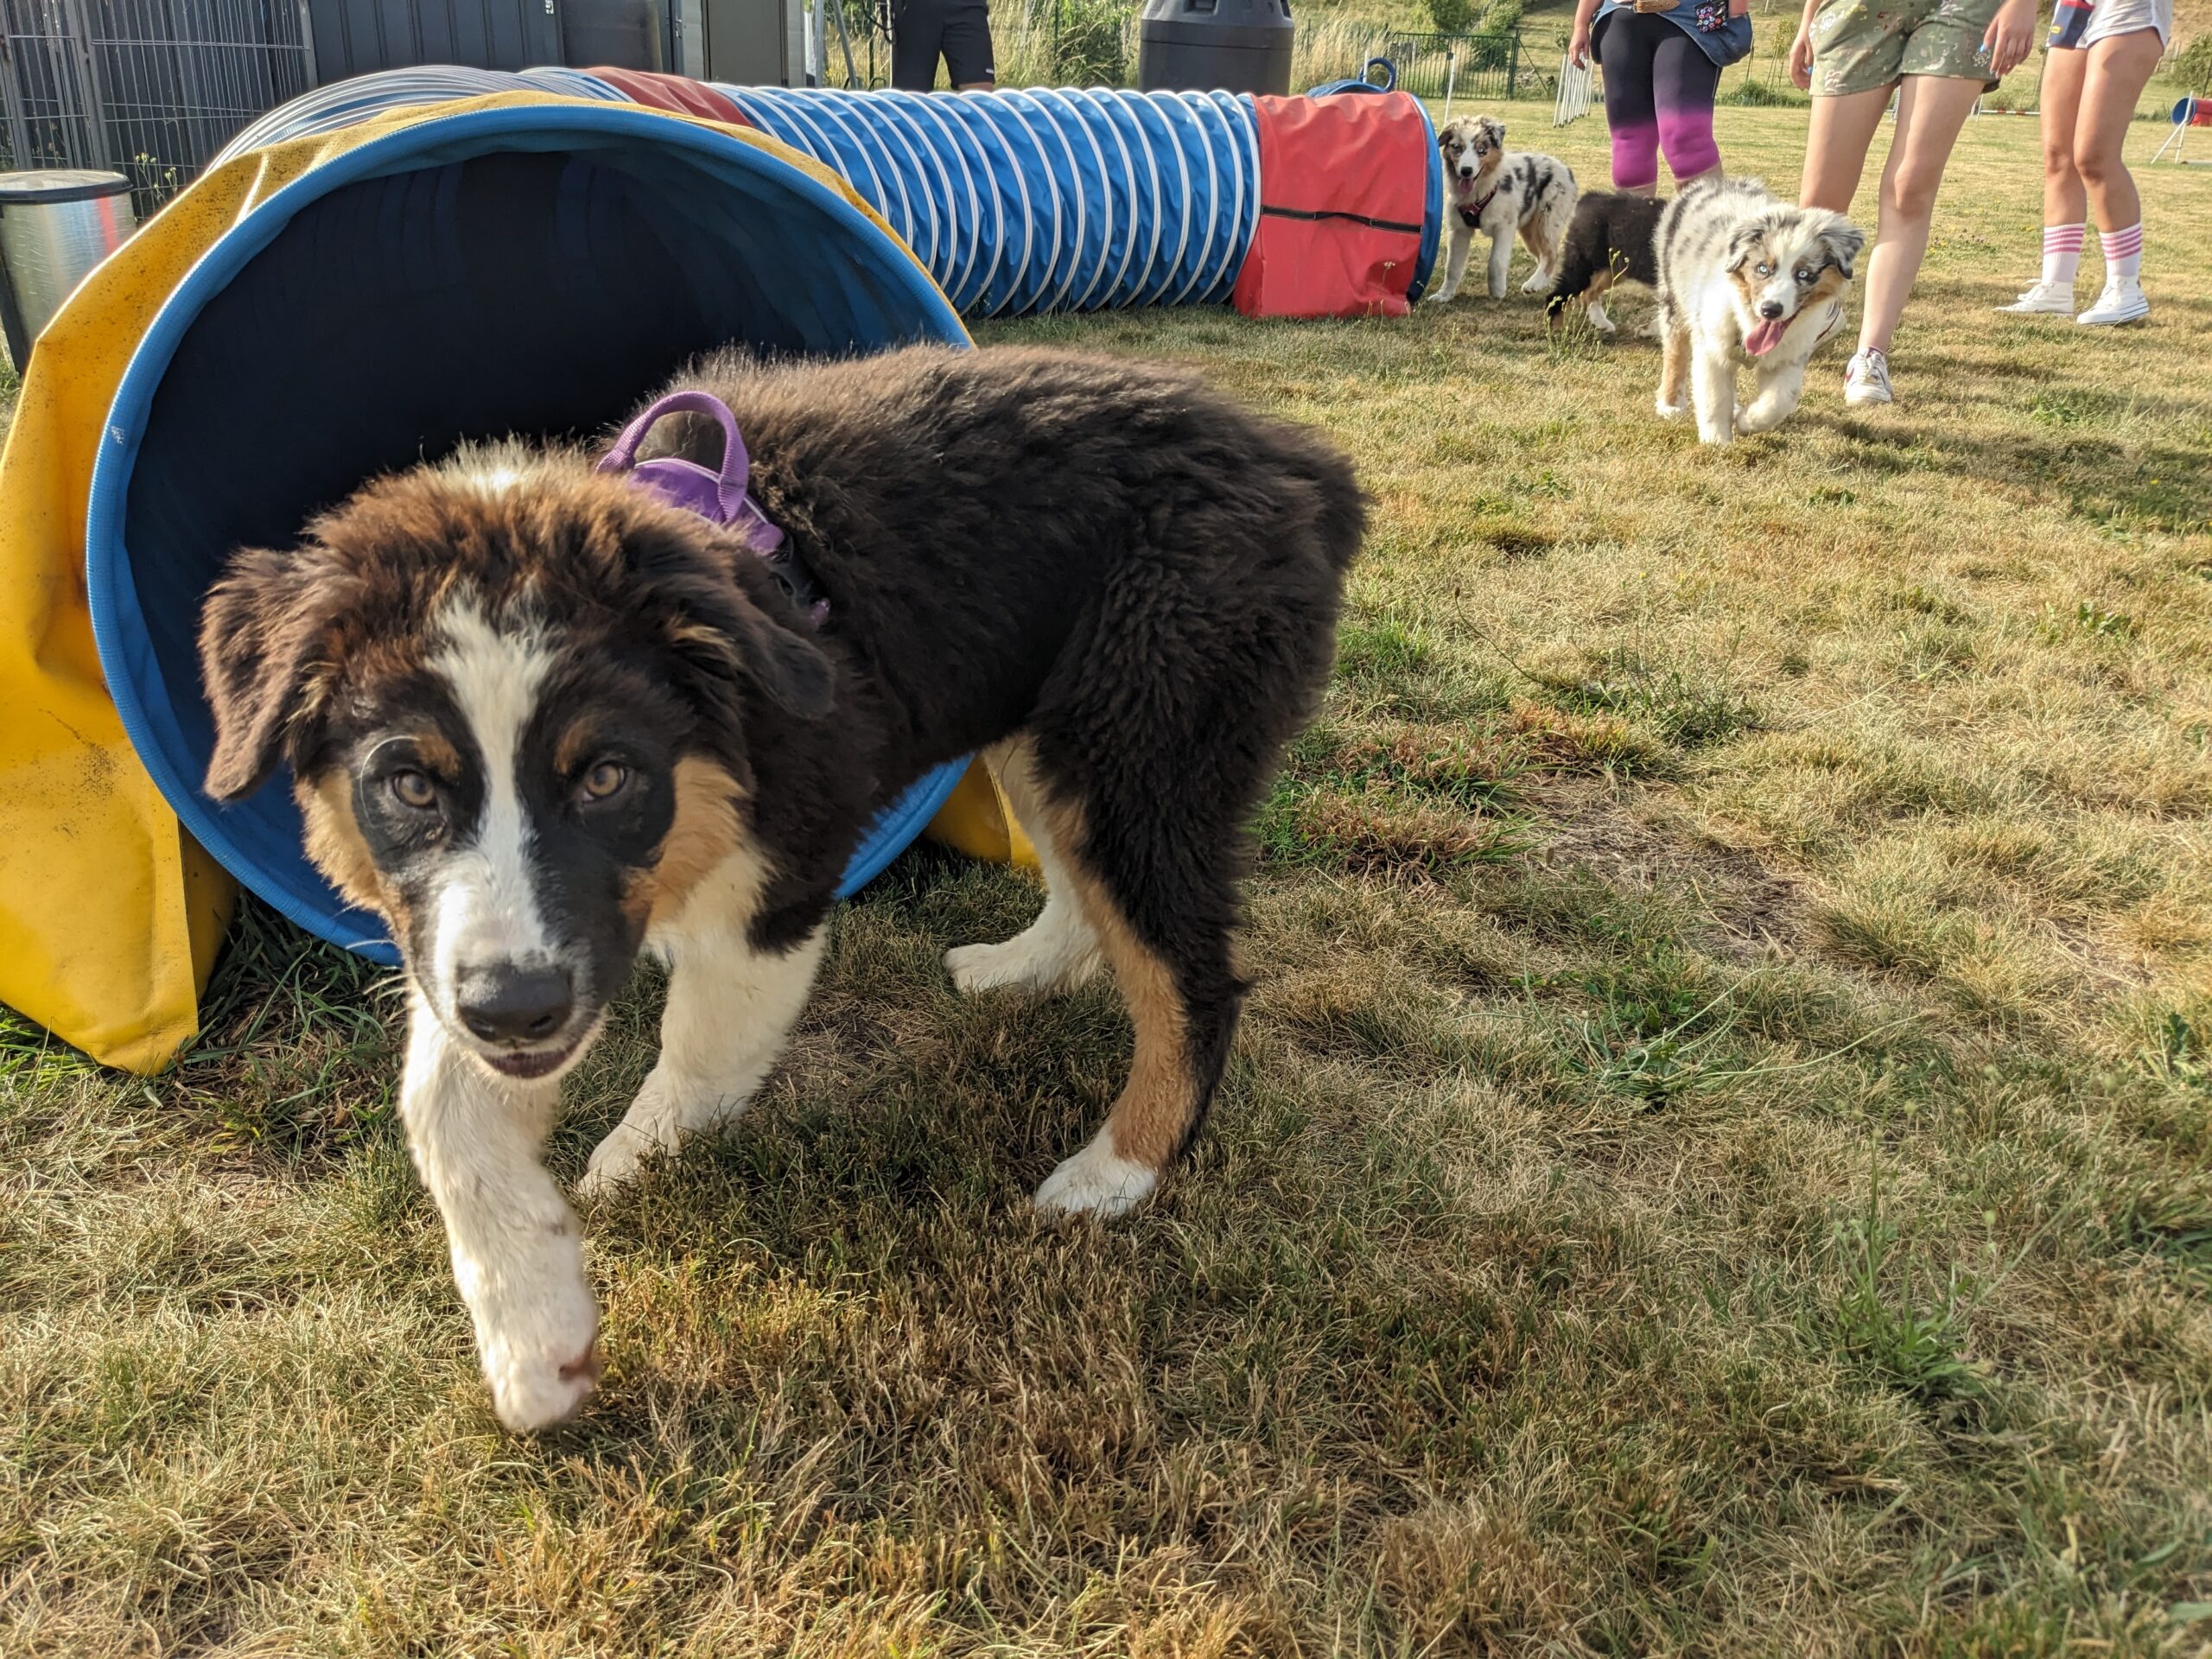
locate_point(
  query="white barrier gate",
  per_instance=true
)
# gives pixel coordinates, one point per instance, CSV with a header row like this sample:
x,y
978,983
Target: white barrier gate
x,y
1573,100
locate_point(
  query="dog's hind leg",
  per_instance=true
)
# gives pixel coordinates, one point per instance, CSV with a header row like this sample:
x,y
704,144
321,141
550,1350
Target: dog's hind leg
x,y
1059,950
1151,744
1595,298
1543,246
1674,364
1159,899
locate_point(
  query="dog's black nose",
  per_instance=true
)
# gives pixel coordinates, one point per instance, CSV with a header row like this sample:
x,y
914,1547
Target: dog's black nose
x,y
506,1004
1467,172
1771,308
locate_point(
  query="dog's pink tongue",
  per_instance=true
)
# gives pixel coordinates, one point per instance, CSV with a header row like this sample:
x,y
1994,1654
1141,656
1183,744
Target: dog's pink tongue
x,y
1763,339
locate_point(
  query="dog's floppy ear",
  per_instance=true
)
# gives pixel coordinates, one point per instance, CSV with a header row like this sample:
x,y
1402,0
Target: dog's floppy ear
x,y
1841,240
717,629
259,632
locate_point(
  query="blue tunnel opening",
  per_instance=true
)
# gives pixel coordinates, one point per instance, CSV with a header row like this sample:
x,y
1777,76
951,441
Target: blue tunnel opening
x,y
530,270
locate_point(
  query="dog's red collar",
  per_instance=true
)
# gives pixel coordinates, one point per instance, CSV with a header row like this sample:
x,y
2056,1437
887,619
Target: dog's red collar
x,y
1473,215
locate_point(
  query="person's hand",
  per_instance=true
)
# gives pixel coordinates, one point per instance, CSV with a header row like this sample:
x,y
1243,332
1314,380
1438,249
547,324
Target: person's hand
x,y
1739,8
2011,36
1800,59
1578,46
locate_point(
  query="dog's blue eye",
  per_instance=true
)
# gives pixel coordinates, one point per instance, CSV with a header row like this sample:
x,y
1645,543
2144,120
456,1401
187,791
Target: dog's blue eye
x,y
1805,276
1766,271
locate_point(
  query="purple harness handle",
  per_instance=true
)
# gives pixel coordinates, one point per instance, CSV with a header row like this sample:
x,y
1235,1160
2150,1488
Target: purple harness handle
x,y
720,496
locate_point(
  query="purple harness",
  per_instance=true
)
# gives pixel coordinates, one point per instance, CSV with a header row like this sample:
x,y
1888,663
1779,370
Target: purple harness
x,y
720,496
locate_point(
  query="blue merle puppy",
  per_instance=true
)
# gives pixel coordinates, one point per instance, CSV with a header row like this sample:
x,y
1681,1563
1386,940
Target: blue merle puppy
x,y
1497,191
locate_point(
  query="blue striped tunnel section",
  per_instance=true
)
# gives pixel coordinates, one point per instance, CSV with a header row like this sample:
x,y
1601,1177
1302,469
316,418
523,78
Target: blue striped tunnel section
x,y
1017,203
1047,200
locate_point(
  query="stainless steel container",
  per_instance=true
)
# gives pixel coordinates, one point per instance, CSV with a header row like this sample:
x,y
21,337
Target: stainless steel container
x,y
56,224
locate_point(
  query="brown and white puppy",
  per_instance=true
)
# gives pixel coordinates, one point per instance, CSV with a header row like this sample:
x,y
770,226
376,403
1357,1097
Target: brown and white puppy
x,y
539,722
1745,279
1499,193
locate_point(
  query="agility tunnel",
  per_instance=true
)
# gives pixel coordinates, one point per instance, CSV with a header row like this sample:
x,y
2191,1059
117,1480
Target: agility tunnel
x,y
1061,199
391,265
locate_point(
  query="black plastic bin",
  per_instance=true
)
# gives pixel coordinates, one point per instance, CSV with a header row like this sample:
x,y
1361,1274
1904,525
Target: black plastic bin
x,y
1232,46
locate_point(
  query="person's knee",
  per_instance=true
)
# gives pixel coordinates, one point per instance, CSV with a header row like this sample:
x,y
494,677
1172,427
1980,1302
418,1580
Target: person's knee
x,y
2097,166
1635,157
1909,195
1688,139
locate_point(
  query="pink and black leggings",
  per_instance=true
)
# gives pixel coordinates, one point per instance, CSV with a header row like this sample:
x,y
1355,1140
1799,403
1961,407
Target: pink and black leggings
x,y
1659,87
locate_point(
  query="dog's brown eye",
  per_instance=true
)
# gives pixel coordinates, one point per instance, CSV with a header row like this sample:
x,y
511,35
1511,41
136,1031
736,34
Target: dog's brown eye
x,y
414,790
605,780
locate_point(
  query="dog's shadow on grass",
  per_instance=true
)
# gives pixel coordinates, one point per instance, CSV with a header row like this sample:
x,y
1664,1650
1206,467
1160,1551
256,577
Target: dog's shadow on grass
x,y
896,1092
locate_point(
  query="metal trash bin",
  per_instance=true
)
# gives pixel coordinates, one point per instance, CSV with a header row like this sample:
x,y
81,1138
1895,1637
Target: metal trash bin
x,y
1231,46
56,224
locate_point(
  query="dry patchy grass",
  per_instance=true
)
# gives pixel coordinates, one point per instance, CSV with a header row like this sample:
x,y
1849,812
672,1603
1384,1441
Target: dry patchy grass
x,y
1717,1161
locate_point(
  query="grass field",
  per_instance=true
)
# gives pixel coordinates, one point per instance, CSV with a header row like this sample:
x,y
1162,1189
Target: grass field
x,y
1717,1161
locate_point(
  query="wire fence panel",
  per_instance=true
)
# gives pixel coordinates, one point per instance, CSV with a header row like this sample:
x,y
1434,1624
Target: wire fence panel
x,y
47,88
1477,67
151,88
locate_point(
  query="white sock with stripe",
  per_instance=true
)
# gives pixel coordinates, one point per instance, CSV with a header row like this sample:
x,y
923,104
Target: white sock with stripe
x,y
2123,255
2061,253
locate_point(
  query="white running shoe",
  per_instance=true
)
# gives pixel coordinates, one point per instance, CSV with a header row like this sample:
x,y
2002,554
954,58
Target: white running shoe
x,y
2044,300
1866,380
2119,302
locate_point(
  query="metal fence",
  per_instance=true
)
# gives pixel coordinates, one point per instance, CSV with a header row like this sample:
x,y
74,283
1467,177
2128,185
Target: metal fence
x,y
149,88
1481,66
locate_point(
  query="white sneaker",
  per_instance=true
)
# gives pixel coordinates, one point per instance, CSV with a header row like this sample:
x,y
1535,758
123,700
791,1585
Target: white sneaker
x,y
2119,302
1866,380
2044,300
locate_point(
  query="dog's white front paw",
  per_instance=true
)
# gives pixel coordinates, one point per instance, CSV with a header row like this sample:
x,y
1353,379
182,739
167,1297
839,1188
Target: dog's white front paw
x,y
1666,412
614,1162
646,1131
1761,417
1715,435
1098,1181
539,1350
1442,295
1536,283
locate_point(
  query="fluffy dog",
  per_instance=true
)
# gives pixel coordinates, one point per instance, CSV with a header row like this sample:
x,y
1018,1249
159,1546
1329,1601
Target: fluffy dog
x,y
538,720
1609,242
1499,192
1745,278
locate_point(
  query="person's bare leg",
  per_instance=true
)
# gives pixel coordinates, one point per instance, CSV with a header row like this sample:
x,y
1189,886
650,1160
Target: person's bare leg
x,y
1836,141
977,87
2119,66
2064,200
1932,109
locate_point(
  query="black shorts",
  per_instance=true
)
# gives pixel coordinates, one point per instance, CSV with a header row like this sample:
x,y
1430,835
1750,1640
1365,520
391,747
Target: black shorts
x,y
921,29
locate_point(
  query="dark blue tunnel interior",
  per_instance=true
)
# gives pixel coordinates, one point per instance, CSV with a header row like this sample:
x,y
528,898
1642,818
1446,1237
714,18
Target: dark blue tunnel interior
x,y
536,290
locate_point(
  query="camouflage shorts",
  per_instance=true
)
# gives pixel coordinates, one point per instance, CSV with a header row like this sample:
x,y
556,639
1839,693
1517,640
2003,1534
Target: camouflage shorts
x,y
1859,46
